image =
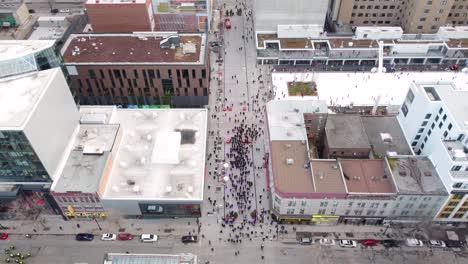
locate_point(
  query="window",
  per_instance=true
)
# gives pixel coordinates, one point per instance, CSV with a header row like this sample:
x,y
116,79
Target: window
x,y
422,19
277,199
433,125
441,110
323,204
444,117
429,3
353,14
409,97
420,130
355,7
436,19
404,109
290,211
440,124
429,132
445,134
424,123
425,139
301,211
303,203
428,116
422,146
419,27
322,211
449,126
456,168
433,27
426,11
414,143
437,118
417,137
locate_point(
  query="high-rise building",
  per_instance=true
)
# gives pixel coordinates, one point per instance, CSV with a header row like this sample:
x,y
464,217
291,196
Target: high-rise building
x,y
37,119
434,118
414,16
120,16
139,69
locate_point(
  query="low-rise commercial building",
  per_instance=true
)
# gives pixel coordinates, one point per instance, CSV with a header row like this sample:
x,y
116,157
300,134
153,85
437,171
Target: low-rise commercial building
x,y
13,13
124,258
356,185
362,47
139,68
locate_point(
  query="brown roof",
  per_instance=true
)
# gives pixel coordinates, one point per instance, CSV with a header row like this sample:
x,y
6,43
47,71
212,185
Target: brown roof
x,y
367,176
127,48
292,178
262,37
327,176
340,43
295,43
455,43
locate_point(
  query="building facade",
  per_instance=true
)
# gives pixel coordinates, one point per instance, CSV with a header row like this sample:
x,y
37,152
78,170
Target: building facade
x,y
34,107
13,13
361,49
433,117
119,16
125,74
413,16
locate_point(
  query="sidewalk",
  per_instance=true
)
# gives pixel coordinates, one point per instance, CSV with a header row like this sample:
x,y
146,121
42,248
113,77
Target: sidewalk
x,y
55,225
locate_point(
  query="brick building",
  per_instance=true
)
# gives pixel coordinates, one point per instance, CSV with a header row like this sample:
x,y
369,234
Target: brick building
x,y
414,16
139,69
120,15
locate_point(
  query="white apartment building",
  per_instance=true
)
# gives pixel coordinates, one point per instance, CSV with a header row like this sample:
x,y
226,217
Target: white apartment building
x,y
434,118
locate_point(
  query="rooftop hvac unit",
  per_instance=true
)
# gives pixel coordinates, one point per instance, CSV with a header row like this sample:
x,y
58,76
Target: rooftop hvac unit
x,y
290,161
169,42
93,150
189,48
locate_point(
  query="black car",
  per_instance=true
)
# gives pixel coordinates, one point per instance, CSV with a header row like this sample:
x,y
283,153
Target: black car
x,y
390,243
189,239
84,237
453,244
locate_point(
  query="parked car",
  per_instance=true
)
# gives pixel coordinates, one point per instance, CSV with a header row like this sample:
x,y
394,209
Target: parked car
x,y
390,243
84,237
189,239
326,242
54,11
347,243
108,237
65,10
306,241
148,238
436,243
369,242
453,244
31,11
3,236
413,242
125,236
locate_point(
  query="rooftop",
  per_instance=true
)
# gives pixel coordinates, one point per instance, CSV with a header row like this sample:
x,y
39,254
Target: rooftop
x,y
416,175
122,258
11,49
161,155
291,169
328,177
385,136
456,150
88,159
349,43
455,100
19,96
363,88
286,117
345,131
367,176
133,48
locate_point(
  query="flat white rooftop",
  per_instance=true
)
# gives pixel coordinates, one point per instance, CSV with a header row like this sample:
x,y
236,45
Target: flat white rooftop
x,y
146,168
19,96
286,117
115,1
362,88
11,49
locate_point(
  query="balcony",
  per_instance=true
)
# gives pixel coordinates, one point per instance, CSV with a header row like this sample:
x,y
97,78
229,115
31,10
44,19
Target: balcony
x,y
456,150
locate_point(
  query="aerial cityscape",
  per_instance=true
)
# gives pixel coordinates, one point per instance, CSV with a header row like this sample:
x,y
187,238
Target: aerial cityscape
x,y
233,131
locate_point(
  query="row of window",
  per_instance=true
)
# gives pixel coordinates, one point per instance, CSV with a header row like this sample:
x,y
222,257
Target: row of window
x,y
372,22
376,7
373,15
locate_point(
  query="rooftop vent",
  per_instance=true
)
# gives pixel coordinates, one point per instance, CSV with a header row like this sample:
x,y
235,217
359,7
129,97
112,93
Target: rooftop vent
x,y
386,137
402,172
427,173
290,161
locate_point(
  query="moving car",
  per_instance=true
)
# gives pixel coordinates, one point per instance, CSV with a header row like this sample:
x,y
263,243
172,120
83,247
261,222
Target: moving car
x,y
108,237
125,236
149,238
436,243
84,237
413,242
347,243
227,23
326,242
370,242
3,236
390,243
189,239
306,241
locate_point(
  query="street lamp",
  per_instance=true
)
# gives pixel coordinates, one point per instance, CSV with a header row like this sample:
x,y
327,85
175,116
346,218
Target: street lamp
x,y
97,223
